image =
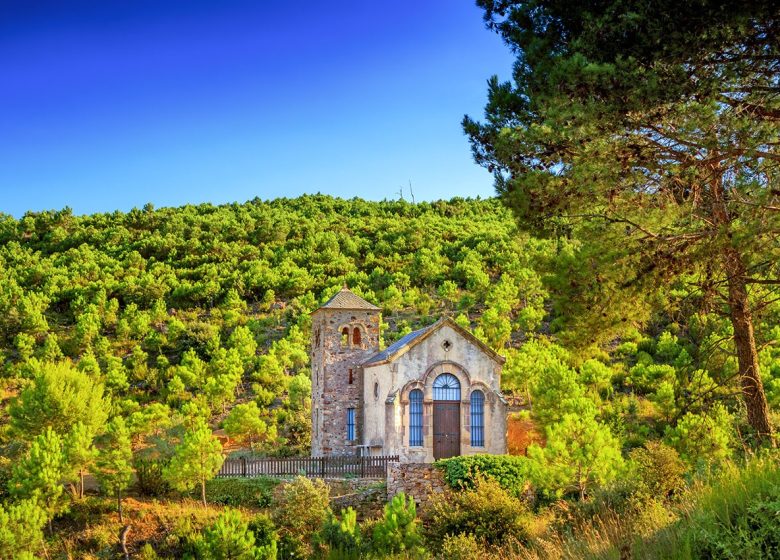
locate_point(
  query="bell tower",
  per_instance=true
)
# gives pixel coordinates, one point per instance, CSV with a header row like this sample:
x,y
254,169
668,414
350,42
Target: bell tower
x,y
344,333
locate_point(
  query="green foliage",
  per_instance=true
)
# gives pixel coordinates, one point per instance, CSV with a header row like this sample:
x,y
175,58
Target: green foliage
x,y
150,479
399,528
59,397
606,137
21,528
461,546
79,452
247,492
557,392
342,536
195,461
114,462
229,538
39,474
703,439
580,453
245,423
512,473
299,512
660,470
487,512
737,518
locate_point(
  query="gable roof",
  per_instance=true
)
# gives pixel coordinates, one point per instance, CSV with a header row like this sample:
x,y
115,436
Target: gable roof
x,y
345,299
407,342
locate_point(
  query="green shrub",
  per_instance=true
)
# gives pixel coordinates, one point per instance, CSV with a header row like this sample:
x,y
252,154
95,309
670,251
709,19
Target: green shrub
x,y
342,536
487,511
150,479
461,547
738,517
246,492
300,510
399,528
660,469
264,530
147,552
511,472
229,538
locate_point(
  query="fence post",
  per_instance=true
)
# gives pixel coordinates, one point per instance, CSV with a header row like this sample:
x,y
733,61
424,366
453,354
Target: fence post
x,y
243,466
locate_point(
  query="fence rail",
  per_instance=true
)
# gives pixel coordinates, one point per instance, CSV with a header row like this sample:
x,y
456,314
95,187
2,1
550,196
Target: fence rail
x,y
312,467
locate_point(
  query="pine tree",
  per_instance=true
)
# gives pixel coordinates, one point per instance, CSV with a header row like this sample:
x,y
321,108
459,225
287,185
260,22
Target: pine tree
x,y
21,528
114,463
652,142
80,451
195,461
59,397
40,474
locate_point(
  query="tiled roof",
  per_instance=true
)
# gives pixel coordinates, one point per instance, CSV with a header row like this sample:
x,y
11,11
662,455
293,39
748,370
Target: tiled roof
x,y
345,299
397,345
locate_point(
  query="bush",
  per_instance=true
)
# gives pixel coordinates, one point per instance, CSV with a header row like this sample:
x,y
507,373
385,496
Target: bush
x,y
299,513
150,477
660,469
229,538
488,512
342,537
246,492
264,530
399,528
511,472
461,547
738,517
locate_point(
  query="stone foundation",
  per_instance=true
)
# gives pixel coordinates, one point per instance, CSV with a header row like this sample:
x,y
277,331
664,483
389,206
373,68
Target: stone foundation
x,y
422,481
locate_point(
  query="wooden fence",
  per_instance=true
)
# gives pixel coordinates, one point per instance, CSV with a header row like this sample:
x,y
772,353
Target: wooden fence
x,y
312,467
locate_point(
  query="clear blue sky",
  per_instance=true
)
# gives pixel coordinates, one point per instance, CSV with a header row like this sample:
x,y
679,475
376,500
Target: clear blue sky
x,y
111,104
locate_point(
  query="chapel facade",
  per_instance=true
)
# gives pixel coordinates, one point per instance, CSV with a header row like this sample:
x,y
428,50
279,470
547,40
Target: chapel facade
x,y
434,393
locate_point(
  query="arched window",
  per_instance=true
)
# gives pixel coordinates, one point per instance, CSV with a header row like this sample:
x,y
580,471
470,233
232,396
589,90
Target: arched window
x,y
416,418
477,419
356,336
446,387
345,337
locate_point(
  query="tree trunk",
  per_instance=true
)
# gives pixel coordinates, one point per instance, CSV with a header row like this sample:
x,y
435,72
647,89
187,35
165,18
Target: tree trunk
x,y
203,491
741,318
119,504
745,342
81,484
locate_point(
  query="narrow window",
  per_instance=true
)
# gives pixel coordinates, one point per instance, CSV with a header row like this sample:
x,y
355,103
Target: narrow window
x,y
344,337
416,418
351,377
350,424
477,419
356,336
317,338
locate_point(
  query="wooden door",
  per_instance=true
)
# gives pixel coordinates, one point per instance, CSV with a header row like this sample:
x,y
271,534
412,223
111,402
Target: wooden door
x,y
446,429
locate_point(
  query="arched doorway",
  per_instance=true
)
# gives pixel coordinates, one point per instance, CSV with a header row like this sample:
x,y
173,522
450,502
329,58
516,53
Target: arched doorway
x,y
446,416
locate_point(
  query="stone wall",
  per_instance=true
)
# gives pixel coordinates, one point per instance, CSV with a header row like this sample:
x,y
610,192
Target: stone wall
x,y
334,388
422,481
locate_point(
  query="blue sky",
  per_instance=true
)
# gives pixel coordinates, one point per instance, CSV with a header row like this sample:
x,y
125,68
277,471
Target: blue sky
x,y
108,105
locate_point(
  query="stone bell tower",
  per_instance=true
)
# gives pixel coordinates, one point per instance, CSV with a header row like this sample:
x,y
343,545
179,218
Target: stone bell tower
x,y
344,333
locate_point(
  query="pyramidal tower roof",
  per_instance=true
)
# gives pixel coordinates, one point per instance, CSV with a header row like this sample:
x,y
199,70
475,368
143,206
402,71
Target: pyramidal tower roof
x,y
345,299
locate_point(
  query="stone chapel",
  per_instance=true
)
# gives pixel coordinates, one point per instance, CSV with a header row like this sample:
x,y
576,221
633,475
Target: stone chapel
x,y
435,393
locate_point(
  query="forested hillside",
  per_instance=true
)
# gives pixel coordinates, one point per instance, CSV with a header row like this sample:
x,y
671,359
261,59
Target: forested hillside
x,y
126,338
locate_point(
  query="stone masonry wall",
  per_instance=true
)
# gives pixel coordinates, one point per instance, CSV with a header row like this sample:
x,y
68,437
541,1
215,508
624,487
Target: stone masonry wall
x,y
334,390
422,481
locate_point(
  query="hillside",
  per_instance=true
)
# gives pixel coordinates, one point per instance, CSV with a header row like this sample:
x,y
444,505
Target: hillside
x,y
127,338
